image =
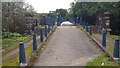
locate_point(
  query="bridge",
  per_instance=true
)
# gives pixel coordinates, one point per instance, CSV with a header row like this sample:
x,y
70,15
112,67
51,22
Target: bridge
x,y
71,45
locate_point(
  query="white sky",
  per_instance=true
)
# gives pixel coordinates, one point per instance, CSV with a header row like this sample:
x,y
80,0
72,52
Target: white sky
x,y
44,6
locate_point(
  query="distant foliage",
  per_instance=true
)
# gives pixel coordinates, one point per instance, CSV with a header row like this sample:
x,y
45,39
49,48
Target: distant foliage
x,y
63,12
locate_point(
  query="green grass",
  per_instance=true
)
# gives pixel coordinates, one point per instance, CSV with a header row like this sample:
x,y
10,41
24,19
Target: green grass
x,y
102,59
11,41
14,60
114,36
110,39
14,43
110,48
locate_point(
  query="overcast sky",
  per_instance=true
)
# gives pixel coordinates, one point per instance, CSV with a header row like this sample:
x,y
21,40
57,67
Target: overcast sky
x,y
44,6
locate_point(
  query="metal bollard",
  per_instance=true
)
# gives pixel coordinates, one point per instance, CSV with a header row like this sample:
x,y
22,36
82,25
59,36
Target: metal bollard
x,y
83,25
34,43
104,39
116,49
36,23
51,25
81,22
41,35
22,58
87,27
33,27
48,28
90,29
45,31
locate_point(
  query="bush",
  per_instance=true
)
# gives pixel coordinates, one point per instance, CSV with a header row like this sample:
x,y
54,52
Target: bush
x,y
9,35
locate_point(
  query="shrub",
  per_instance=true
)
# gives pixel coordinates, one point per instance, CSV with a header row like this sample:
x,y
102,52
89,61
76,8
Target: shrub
x,y
9,35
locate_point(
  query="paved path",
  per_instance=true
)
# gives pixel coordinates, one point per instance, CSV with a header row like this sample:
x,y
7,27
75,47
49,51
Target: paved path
x,y
68,46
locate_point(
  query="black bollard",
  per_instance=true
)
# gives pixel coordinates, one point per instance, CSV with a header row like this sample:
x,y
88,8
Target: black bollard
x,y
34,43
90,29
41,35
116,49
83,25
45,31
33,27
86,27
22,58
104,39
48,28
36,23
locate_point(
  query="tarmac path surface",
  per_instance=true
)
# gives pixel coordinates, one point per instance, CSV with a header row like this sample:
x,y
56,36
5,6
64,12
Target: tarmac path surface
x,y
68,46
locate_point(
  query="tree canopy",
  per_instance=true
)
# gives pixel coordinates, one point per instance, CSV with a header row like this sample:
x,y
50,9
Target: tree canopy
x,y
89,9
92,8
13,16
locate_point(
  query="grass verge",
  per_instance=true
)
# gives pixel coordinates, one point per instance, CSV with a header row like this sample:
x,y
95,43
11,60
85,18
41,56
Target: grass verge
x,y
102,60
14,60
11,47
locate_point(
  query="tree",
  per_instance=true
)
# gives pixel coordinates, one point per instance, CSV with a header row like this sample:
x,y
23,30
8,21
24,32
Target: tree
x,y
89,9
63,12
13,15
